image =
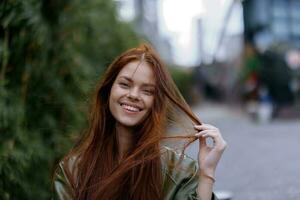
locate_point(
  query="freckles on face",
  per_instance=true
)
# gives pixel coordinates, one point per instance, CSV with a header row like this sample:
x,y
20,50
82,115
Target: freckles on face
x,y
132,94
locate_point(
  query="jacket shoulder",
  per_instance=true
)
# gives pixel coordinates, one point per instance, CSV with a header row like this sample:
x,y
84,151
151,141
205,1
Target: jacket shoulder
x,y
63,189
174,163
180,174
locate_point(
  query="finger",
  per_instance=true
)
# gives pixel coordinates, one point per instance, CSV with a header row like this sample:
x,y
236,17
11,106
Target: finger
x,y
199,134
204,127
202,140
208,133
209,125
203,132
210,128
219,143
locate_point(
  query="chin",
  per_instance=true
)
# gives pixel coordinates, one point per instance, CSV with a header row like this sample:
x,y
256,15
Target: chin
x,y
128,123
131,123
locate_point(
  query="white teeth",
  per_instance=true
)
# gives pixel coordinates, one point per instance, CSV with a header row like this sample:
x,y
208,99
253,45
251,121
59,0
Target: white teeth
x,y
130,108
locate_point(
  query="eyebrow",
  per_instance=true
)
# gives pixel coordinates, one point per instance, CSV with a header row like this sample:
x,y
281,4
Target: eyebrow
x,y
144,84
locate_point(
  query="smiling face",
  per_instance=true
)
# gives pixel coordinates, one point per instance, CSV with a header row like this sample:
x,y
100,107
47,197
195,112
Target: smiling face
x,y
132,94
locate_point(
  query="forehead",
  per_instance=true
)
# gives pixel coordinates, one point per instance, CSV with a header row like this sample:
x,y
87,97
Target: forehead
x,y
138,72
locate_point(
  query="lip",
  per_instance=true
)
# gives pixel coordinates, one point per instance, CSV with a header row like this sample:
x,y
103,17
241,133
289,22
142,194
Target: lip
x,y
132,105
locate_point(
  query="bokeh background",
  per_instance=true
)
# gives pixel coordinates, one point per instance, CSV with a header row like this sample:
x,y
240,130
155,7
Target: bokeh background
x,y
236,62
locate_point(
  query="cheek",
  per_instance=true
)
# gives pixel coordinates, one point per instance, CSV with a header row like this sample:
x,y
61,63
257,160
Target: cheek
x,y
149,102
116,92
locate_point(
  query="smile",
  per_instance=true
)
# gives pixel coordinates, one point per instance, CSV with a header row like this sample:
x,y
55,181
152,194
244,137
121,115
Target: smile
x,y
130,108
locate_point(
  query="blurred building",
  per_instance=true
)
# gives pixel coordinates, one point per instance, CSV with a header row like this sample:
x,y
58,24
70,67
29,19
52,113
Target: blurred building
x,y
144,16
218,68
271,21
272,29
199,39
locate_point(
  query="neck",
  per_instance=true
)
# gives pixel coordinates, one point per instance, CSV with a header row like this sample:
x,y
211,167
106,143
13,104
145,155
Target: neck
x,y
125,138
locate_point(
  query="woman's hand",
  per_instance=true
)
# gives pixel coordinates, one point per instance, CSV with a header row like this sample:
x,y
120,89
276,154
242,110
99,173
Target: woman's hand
x,y
209,156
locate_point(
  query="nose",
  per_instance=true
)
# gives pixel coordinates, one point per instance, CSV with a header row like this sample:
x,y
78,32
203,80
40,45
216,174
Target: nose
x,y
133,93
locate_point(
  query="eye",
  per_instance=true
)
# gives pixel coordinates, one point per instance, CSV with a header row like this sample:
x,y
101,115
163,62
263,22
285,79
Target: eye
x,y
148,92
124,85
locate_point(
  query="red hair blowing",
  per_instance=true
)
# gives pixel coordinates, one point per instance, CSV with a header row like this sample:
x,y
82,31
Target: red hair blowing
x,y
98,173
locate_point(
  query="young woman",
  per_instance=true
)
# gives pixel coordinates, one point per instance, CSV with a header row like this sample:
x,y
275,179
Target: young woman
x,y
122,156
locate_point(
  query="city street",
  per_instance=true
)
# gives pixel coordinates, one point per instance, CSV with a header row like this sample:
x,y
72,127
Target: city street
x,y
262,161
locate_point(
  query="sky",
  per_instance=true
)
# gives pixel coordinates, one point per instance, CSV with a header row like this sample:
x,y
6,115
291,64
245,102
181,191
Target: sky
x,y
178,19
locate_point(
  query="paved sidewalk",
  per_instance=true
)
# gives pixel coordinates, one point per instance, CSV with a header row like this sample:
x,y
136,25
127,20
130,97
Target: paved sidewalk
x,y
262,161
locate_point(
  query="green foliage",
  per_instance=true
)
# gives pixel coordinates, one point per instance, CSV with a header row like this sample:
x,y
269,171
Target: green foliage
x,y
51,52
184,80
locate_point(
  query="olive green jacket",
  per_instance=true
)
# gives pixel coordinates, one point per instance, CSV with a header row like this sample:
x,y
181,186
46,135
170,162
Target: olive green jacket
x,y
180,179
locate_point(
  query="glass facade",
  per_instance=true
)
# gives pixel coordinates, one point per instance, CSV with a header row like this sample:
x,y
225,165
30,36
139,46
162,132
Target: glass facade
x,y
280,18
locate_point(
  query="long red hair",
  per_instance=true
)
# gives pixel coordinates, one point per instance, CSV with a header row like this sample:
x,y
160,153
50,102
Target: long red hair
x,y
98,173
